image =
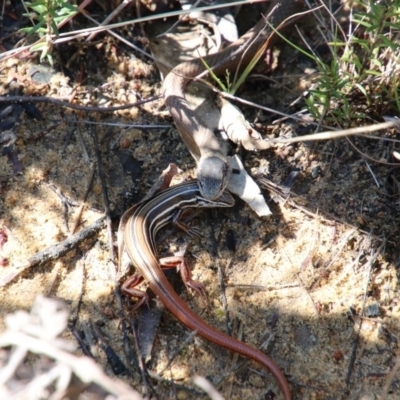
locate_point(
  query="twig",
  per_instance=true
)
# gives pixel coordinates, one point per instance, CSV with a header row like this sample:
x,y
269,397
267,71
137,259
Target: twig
x,y
81,207
37,385
43,99
119,124
142,366
129,353
80,140
115,362
364,155
74,317
222,290
361,130
110,17
372,173
15,360
208,388
85,349
65,201
105,196
40,332
86,369
56,251
54,279
357,338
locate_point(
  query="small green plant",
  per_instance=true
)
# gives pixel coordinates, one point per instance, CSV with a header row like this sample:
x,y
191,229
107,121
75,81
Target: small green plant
x,y
364,74
46,16
231,87
224,88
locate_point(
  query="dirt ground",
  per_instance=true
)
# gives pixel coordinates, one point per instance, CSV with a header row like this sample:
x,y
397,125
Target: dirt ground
x,y
315,285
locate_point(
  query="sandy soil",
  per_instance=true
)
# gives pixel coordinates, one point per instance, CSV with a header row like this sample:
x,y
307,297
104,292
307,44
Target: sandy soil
x,y
315,285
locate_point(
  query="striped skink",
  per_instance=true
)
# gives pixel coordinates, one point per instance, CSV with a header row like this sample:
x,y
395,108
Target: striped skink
x,y
140,225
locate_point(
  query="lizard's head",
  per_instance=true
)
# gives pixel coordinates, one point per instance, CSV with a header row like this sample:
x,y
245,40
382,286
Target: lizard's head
x,y
213,174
